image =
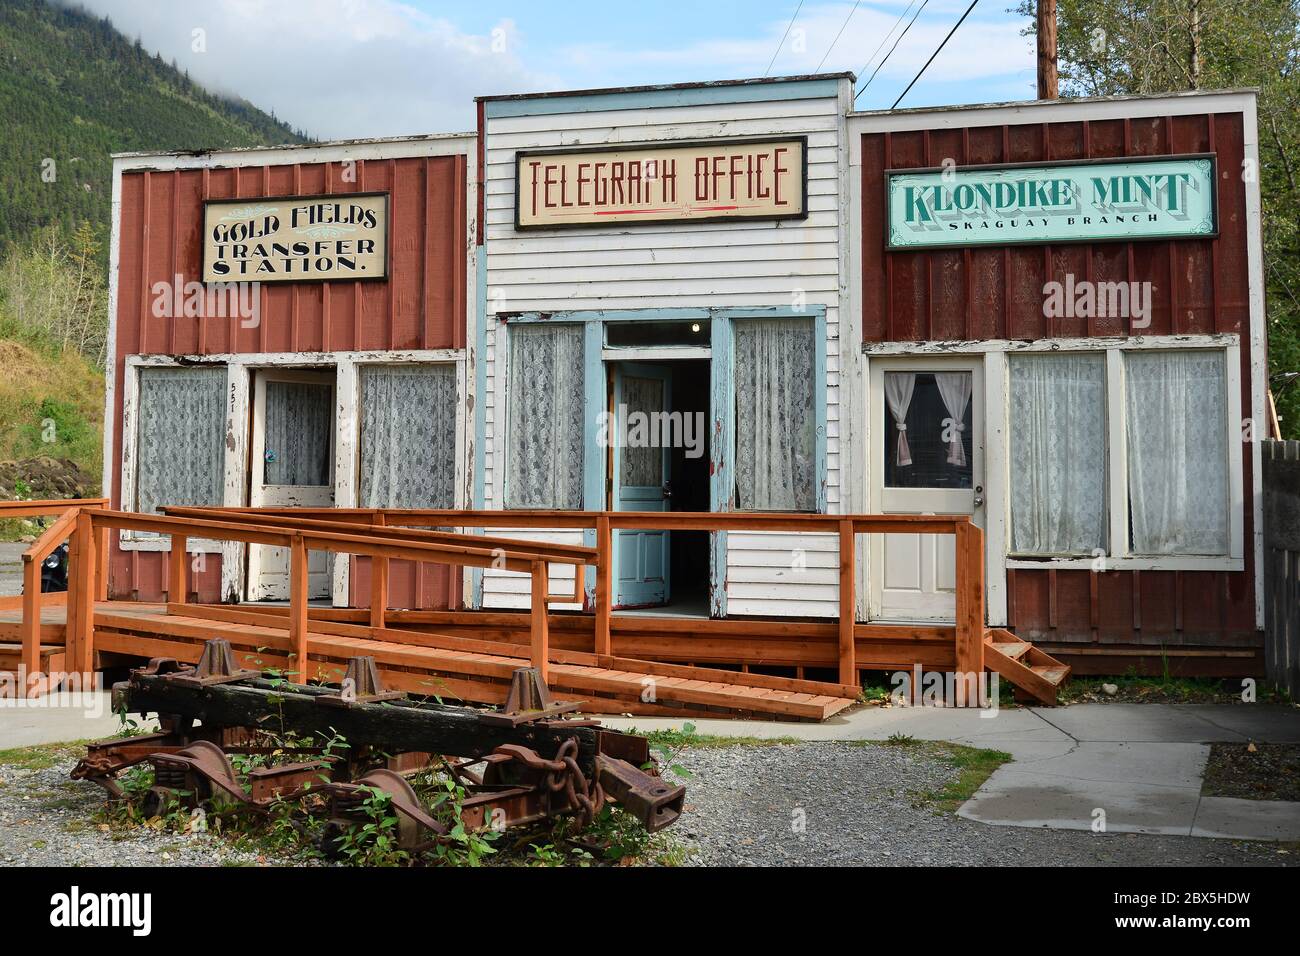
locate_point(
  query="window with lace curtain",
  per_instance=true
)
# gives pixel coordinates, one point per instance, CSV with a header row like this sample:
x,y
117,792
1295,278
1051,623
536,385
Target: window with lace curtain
x,y
1058,453
408,436
180,424
775,419
544,404
1172,496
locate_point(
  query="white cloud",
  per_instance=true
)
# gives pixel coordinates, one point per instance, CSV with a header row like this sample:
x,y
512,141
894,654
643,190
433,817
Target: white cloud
x,y
336,68
349,68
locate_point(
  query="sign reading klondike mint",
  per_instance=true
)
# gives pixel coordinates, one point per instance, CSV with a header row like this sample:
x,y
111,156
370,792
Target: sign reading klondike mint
x,y
1131,199
684,182
341,237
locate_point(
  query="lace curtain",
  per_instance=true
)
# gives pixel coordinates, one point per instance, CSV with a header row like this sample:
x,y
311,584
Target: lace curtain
x,y
408,436
1058,453
544,406
643,463
299,433
180,457
1177,452
775,444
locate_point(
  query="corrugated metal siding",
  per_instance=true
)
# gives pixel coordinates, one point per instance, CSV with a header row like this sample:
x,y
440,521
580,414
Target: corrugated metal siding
x,y
421,306
1199,286
696,265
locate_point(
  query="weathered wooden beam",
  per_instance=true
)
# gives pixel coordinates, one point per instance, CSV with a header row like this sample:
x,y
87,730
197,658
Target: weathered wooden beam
x,y
538,629
177,583
848,604
970,607
396,726
298,606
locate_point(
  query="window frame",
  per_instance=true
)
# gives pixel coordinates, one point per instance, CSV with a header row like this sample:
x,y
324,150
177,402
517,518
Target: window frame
x,y
353,370
1118,554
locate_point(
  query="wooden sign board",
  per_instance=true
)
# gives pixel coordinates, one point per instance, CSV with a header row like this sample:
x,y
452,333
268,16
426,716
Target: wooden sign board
x,y
672,182
335,238
1129,200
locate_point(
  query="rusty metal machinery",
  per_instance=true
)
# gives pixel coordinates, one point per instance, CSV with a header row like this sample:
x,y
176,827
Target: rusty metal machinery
x,y
518,765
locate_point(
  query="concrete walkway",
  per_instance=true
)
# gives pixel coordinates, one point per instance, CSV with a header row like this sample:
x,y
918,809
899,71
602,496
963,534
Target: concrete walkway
x,y
59,718
1137,768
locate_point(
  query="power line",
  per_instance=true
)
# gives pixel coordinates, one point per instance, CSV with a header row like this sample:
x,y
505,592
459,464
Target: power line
x,y
838,35
783,36
935,53
891,50
885,39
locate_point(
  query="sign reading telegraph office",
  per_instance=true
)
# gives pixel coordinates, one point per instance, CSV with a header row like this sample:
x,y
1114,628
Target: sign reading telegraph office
x,y
1132,199
674,182
339,237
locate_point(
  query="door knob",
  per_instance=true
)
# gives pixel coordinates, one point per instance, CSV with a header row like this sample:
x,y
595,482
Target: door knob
x,y
979,502
668,489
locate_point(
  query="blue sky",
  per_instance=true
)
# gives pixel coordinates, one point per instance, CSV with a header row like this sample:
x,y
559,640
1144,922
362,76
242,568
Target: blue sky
x,y
347,68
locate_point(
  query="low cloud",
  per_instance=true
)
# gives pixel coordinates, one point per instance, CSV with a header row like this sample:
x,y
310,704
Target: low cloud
x,y
351,68
335,68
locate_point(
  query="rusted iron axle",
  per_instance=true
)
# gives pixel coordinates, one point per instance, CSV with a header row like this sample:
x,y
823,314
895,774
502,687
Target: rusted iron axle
x,y
532,763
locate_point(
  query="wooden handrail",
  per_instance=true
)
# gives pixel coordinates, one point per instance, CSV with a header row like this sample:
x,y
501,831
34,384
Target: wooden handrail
x,y
301,536
378,527
54,506
845,527
29,628
630,520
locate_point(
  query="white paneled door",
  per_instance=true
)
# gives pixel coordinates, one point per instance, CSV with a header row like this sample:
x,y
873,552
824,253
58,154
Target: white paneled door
x,y
292,465
927,457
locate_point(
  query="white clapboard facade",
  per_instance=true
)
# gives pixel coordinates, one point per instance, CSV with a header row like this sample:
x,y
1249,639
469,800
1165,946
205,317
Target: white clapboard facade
x,y
715,275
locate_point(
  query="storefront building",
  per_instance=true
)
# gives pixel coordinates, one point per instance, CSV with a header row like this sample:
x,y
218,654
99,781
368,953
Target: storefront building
x,y
689,276
1110,337
333,372
738,296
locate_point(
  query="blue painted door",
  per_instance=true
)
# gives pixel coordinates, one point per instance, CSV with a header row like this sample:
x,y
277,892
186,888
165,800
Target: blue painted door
x,y
641,462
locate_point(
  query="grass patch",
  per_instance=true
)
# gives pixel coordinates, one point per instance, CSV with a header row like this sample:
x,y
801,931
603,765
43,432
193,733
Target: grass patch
x,y
974,765
1167,689
42,757
681,739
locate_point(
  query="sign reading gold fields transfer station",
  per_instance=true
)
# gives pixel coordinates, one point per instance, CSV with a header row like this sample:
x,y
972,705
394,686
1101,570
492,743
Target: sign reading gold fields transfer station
x,y
1133,199
685,182
335,238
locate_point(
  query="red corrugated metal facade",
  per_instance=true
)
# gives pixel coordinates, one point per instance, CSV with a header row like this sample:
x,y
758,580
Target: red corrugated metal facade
x,y
1199,286
420,306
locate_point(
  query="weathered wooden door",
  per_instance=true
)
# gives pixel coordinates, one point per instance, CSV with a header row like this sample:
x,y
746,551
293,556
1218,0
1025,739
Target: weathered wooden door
x,y
641,462
927,457
292,466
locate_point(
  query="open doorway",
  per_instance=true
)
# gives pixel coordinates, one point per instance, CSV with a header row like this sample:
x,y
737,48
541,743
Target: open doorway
x,y
291,466
660,462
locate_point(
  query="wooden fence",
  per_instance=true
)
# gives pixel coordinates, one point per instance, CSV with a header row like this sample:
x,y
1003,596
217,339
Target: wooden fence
x,y
1282,563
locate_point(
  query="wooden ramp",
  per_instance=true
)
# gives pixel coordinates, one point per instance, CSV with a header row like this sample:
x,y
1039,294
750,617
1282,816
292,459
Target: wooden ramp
x,y
455,668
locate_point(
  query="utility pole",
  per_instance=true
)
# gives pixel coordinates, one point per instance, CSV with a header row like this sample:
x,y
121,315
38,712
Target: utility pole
x,y
1047,77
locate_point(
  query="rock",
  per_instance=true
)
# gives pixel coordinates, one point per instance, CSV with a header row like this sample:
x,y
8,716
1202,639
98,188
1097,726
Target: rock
x,y
1110,690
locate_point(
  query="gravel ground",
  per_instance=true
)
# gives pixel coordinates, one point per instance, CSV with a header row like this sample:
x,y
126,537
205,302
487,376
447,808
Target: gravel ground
x,y
861,808
46,819
858,806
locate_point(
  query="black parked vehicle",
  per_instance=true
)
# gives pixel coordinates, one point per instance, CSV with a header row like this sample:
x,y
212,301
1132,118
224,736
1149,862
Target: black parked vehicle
x,y
54,570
